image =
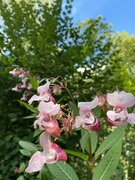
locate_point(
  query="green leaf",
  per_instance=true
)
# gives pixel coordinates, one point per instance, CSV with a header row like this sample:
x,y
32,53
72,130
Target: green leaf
x,y
62,171
97,112
37,132
20,177
22,167
31,108
78,154
33,82
25,152
84,141
45,174
28,145
108,164
110,140
89,137
74,108
29,117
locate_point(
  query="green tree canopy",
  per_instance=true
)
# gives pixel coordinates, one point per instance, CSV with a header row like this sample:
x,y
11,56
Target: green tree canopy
x,y
45,40
126,72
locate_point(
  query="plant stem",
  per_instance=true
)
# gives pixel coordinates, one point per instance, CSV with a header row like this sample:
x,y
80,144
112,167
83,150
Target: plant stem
x,y
70,95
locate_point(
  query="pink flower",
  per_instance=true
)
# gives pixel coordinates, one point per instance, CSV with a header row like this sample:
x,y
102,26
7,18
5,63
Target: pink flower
x,y
45,122
24,98
29,86
44,94
52,127
23,74
51,154
87,119
15,72
48,108
16,89
119,116
24,82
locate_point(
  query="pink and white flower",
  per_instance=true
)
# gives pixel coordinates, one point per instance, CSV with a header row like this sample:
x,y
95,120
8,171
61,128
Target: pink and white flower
x,y
119,116
48,108
44,94
87,119
17,89
15,72
45,121
51,154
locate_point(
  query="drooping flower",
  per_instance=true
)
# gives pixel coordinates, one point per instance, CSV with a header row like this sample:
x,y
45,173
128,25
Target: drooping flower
x,y
51,154
87,119
44,94
45,121
120,101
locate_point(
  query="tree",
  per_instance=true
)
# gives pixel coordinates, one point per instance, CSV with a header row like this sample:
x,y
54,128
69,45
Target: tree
x,y
126,46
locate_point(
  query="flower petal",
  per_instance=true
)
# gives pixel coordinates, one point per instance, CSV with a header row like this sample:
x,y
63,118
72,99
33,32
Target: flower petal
x,y
60,154
121,99
88,105
43,89
45,139
78,122
45,97
113,116
131,118
116,123
52,127
95,126
36,162
48,108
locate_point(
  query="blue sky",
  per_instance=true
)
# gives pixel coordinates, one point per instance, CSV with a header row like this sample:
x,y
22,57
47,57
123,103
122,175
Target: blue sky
x,y
120,13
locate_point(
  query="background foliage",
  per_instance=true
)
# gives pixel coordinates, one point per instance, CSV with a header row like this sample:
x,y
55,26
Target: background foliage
x,y
43,39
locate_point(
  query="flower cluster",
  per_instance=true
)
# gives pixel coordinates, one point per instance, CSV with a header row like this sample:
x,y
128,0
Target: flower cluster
x,y
115,104
118,116
47,122
24,85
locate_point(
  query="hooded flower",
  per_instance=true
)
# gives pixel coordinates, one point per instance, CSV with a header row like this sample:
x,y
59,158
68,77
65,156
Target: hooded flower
x,y
119,116
45,121
51,154
87,119
44,94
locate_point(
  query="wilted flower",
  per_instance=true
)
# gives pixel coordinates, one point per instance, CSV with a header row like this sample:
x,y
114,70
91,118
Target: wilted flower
x,y
57,89
103,104
67,123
